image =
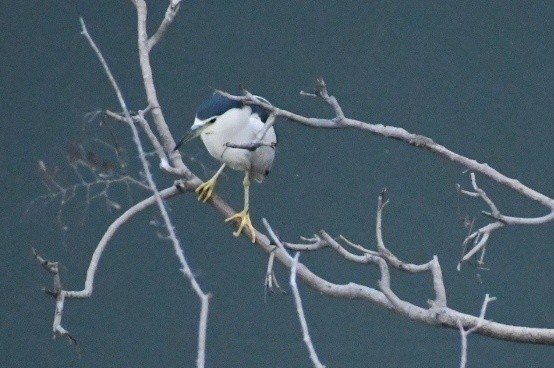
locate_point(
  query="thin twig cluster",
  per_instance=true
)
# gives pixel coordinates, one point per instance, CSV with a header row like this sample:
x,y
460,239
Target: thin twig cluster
x,y
94,180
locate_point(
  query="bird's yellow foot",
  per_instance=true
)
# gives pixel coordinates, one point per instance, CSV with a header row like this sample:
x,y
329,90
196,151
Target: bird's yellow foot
x,y
205,190
243,218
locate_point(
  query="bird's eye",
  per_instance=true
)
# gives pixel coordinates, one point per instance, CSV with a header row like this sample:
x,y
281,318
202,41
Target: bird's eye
x,y
211,121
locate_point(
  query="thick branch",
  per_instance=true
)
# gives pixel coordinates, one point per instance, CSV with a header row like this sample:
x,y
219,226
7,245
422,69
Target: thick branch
x,y
444,317
144,46
481,236
437,314
402,135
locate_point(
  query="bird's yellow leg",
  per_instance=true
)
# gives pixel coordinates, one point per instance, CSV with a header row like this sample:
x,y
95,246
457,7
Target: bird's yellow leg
x,y
206,189
243,217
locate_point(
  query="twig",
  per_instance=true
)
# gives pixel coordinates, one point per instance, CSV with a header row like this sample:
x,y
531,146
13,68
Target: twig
x,y
54,269
140,119
300,311
249,146
464,333
144,46
271,283
480,237
170,14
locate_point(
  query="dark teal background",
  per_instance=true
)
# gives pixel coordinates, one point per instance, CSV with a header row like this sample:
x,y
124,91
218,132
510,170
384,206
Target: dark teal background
x,y
476,77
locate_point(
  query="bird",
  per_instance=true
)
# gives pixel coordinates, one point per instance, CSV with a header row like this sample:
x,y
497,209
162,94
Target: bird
x,y
234,133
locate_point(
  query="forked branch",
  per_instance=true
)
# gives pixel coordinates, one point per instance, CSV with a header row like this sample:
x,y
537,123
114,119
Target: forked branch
x,y
437,313
477,240
480,237
157,198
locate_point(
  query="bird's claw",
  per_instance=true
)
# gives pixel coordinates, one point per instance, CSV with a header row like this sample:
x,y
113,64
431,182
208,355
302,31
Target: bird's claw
x,y
205,190
244,218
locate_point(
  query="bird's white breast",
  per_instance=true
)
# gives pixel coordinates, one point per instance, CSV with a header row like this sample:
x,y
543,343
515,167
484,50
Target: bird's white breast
x,y
238,126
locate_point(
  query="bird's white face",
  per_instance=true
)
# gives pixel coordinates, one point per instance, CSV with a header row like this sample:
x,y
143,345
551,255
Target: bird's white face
x,y
199,126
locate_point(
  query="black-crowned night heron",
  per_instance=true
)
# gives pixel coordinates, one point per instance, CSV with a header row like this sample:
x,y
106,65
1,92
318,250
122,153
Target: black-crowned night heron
x,y
221,122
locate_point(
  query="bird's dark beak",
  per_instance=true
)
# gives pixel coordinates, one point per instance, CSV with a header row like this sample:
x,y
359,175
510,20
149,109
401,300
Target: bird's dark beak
x,y
191,134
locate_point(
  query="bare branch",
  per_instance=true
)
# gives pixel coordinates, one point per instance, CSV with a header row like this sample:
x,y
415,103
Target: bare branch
x,y
404,136
204,298
54,270
330,100
478,239
157,199
166,138
170,14
315,243
275,239
300,311
249,99
140,119
271,283
52,267
202,326
357,246
95,179
495,212
340,121
398,134
438,314
464,333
